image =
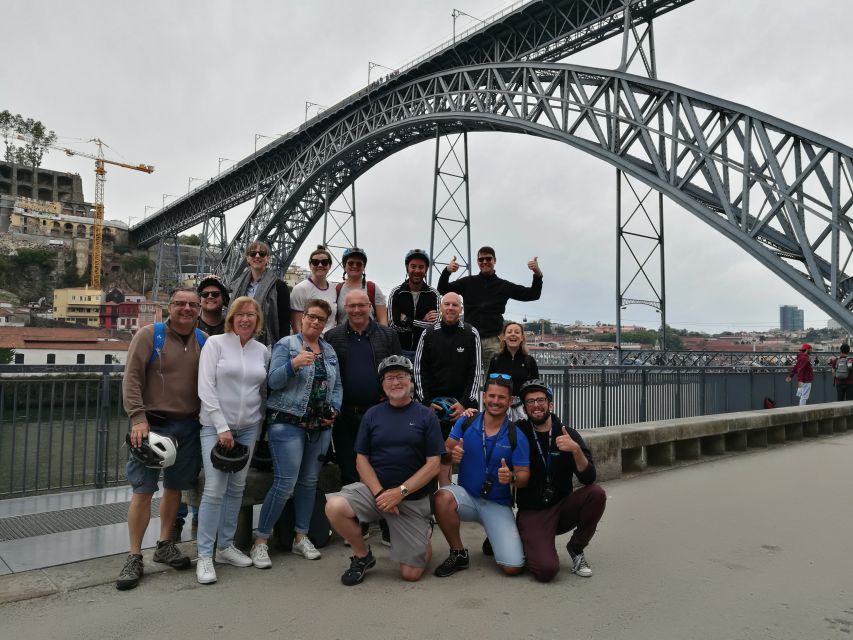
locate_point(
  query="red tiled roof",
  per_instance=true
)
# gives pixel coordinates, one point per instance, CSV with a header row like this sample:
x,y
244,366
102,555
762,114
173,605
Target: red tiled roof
x,y
60,338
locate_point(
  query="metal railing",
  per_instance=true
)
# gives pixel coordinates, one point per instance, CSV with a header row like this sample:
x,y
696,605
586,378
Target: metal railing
x,y
64,427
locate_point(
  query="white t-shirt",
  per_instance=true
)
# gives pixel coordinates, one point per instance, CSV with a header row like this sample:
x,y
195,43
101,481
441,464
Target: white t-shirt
x,y
342,314
307,290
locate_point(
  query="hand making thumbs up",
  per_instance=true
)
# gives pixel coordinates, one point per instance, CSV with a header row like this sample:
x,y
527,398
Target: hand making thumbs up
x,y
565,443
456,453
504,473
452,266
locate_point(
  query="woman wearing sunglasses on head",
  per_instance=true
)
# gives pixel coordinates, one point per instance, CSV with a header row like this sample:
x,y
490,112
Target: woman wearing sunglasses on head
x,y
270,291
316,286
513,359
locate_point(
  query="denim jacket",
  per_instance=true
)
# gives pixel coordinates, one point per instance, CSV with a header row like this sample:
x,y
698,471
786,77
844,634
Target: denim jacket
x,y
289,389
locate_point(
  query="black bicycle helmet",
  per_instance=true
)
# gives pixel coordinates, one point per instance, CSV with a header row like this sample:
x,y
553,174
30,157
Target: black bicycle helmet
x,y
156,451
417,253
395,362
446,405
536,385
229,460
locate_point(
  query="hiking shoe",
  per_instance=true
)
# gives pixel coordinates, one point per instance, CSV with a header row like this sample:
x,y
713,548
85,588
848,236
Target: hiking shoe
x,y
169,554
456,561
305,549
357,568
204,570
579,565
177,529
131,573
487,548
260,555
386,533
232,555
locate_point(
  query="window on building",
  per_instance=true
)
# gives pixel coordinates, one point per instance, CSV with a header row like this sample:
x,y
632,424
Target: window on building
x,y
19,358
108,359
81,358
51,358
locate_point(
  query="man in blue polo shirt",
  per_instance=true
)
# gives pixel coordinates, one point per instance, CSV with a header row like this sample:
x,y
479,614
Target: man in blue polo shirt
x,y
492,459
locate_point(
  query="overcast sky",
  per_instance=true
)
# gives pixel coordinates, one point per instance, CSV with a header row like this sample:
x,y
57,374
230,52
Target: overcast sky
x,y
181,84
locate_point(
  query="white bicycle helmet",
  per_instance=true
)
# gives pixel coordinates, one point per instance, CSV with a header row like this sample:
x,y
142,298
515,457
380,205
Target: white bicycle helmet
x,y
156,451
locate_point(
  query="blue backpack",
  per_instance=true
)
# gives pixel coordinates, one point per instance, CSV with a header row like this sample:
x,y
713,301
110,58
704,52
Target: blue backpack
x,y
160,340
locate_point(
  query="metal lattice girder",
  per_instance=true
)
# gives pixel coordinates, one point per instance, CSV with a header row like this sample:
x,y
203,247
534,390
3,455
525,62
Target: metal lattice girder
x,y
340,230
213,242
545,31
780,192
450,235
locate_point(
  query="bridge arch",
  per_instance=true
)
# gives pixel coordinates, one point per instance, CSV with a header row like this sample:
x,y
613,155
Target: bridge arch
x,y
781,193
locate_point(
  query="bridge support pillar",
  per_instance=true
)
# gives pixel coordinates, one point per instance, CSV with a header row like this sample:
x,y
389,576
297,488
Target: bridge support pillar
x,y
213,243
339,227
164,268
451,214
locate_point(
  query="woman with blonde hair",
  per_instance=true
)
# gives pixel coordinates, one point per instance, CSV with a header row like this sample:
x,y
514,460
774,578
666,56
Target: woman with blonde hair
x,y
232,374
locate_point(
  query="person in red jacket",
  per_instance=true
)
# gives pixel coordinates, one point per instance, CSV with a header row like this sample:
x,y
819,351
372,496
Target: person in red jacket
x,y
805,373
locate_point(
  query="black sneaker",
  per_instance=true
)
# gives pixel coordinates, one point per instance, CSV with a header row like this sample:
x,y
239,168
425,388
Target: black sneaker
x,y
487,548
386,533
177,529
131,573
357,568
169,554
456,561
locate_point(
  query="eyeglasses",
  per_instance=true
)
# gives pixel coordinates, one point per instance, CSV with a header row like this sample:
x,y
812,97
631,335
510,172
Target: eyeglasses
x,y
210,294
314,318
530,402
185,303
500,376
485,258
248,314
319,263
396,377
357,305
257,254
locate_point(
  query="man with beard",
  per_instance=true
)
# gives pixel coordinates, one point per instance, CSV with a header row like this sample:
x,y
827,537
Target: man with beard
x,y
547,506
413,305
491,457
399,447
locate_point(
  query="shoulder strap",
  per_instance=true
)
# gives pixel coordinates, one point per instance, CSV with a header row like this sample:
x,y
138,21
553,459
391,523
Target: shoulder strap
x,y
158,341
468,422
512,434
199,337
338,288
371,293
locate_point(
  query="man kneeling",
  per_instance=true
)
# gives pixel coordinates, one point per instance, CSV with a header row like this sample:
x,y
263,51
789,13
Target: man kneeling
x,y
548,506
482,447
398,449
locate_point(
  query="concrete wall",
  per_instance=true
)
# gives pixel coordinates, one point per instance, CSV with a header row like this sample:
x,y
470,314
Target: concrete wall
x,y
634,448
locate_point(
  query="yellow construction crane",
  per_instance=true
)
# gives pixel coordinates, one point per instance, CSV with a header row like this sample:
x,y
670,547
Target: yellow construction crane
x,y
100,180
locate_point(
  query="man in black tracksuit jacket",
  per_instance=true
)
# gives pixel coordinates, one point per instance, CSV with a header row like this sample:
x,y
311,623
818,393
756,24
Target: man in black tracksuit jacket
x,y
447,362
413,305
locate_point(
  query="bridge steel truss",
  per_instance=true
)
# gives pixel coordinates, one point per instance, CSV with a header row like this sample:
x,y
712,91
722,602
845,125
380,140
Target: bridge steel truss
x,y
780,192
547,30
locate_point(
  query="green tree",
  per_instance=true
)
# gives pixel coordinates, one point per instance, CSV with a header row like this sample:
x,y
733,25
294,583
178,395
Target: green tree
x,y
191,240
6,355
137,270
30,151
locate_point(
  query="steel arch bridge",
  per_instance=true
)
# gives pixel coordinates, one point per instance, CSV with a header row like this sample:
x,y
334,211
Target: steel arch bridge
x,y
780,192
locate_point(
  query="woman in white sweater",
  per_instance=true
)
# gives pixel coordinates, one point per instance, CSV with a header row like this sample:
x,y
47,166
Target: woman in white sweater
x,y
232,375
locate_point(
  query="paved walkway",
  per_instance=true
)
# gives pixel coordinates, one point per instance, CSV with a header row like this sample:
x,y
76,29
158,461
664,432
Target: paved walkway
x,y
749,546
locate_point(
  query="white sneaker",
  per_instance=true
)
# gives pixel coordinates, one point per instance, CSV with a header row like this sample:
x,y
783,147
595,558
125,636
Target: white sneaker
x,y
204,570
261,556
305,549
232,555
580,566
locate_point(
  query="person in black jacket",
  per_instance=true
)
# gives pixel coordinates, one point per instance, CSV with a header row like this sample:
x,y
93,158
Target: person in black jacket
x,y
448,361
361,344
486,295
413,305
547,506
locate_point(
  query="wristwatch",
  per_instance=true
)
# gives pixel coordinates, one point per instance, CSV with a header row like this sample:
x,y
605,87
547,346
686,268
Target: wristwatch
x,y
403,491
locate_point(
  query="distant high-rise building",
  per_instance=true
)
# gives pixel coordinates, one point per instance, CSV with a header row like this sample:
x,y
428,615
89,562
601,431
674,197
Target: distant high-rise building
x,y
790,318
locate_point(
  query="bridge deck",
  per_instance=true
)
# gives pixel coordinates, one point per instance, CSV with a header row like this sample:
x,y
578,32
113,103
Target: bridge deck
x,y
749,546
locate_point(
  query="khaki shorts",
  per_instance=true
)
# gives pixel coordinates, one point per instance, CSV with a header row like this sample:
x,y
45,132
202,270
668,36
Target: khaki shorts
x,y
410,531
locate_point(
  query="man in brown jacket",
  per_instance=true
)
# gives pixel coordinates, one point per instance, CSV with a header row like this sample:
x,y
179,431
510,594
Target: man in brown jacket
x,y
160,395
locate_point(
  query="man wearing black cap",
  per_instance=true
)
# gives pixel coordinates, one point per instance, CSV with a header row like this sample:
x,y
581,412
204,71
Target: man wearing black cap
x,y
547,505
413,305
214,299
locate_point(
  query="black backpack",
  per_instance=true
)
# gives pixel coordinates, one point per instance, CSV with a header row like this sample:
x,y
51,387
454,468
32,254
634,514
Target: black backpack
x,y
842,368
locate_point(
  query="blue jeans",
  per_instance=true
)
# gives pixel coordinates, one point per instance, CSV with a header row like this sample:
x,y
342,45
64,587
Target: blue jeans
x,y
296,466
223,492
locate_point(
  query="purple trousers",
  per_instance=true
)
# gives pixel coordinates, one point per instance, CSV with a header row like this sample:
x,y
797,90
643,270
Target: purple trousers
x,y
580,510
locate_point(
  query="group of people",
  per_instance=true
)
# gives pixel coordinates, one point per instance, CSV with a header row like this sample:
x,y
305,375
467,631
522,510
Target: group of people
x,y
392,385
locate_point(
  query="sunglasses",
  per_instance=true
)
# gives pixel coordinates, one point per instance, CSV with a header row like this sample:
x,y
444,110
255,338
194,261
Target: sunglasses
x,y
320,263
485,259
257,254
210,294
500,376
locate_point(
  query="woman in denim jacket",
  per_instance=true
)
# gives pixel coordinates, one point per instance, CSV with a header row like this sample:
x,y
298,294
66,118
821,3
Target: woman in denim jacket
x,y
305,395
